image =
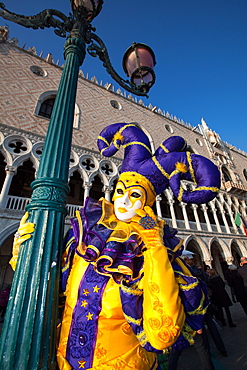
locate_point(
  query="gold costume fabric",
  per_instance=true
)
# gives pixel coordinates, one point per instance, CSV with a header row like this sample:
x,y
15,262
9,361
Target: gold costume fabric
x,y
124,300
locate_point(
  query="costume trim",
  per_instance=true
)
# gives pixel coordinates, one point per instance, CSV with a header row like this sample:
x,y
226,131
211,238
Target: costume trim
x,y
192,173
131,320
164,148
137,143
189,286
158,165
142,338
216,190
180,195
132,291
200,310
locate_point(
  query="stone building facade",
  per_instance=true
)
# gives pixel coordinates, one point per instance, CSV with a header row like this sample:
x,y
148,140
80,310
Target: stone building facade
x,y
29,85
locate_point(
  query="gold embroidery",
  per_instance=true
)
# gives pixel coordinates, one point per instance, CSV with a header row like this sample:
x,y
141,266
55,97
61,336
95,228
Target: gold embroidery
x,y
131,320
89,316
84,304
155,323
85,292
165,325
132,290
100,352
142,338
164,336
126,328
154,288
96,289
167,321
189,286
82,364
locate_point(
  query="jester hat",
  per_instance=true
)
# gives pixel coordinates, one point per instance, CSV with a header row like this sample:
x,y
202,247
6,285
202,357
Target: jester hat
x,y
170,164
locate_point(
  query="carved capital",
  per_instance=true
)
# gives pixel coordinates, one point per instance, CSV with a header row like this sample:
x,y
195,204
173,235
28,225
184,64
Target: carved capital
x,y
229,260
11,169
107,189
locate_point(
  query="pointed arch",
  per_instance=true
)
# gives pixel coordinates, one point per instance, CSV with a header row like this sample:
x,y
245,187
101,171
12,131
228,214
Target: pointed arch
x,y
203,249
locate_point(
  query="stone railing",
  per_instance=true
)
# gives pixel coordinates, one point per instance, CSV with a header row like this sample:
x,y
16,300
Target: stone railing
x,y
19,204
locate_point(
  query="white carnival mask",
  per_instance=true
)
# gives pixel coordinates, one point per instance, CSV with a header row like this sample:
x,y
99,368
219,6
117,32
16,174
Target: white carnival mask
x,y
127,200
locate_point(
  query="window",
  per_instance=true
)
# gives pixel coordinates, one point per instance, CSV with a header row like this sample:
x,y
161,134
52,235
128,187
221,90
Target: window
x,y
226,174
46,108
169,129
115,104
199,142
38,71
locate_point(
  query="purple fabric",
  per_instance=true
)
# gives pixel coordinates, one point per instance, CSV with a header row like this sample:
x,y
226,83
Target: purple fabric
x,y
138,158
83,330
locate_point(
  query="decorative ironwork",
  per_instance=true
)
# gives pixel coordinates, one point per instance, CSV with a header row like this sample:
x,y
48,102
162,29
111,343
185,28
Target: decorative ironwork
x,y
100,50
79,20
40,20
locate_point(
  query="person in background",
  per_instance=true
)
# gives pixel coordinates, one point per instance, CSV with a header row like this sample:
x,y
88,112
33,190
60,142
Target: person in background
x,y
201,342
4,297
236,283
220,298
212,326
242,271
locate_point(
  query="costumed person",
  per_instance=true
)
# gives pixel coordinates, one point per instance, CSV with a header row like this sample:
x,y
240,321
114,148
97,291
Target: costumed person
x,y
128,294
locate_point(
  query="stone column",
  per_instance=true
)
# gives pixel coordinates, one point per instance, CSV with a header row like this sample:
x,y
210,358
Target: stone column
x,y
204,208
186,220
87,186
10,172
229,260
107,191
208,262
158,207
198,224
214,210
174,221
224,220
233,223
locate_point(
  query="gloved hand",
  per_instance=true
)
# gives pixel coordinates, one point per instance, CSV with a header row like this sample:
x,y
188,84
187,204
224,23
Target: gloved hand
x,y
149,226
23,233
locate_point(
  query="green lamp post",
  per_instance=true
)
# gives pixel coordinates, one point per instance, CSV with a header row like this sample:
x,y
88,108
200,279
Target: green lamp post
x,y
29,331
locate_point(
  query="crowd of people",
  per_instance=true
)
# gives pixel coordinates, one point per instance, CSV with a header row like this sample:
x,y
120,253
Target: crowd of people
x,y
220,303
236,279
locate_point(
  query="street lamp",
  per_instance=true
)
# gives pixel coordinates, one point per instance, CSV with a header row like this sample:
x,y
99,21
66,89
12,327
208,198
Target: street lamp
x,y
29,331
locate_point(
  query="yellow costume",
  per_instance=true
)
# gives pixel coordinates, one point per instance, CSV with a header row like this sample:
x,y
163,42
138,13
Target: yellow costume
x,y
118,312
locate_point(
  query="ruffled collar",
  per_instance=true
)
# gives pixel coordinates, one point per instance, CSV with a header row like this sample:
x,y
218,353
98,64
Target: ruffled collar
x,y
118,248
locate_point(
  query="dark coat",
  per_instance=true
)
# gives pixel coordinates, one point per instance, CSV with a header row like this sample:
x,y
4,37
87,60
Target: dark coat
x,y
242,272
237,284
219,295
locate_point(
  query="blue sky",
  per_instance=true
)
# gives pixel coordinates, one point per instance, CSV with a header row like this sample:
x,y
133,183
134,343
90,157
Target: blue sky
x,y
200,48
